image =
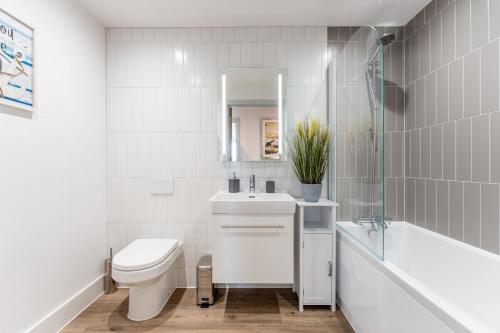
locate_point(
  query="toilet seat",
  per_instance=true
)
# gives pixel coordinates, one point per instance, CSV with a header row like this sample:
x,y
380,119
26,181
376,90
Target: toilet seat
x,y
130,275
143,254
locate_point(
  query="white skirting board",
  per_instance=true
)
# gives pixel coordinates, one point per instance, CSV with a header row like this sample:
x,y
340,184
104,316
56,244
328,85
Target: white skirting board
x,y
69,310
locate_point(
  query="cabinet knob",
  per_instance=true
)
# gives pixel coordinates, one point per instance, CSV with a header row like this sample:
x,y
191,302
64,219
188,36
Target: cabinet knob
x,y
330,268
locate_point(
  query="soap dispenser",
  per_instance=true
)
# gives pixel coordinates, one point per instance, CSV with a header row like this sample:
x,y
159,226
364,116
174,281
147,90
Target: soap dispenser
x,y
234,184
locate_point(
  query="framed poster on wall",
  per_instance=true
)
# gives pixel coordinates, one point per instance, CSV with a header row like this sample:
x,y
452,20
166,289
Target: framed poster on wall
x,y
16,62
270,139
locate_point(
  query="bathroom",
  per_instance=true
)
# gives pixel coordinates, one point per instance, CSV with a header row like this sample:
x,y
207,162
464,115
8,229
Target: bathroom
x,y
123,135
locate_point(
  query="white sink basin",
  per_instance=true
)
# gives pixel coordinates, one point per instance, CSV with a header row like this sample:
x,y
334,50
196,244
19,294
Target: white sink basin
x,y
252,203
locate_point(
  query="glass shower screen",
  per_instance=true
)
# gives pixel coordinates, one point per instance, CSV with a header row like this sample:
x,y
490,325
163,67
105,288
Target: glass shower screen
x,y
359,148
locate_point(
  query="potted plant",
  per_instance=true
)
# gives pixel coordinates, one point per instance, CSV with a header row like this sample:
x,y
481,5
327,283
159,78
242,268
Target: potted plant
x,y
309,148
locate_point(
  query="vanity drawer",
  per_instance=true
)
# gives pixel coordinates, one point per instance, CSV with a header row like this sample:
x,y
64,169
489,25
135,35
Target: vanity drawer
x,y
253,249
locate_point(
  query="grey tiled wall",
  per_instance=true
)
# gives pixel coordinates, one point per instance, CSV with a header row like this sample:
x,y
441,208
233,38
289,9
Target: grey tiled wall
x,y
452,120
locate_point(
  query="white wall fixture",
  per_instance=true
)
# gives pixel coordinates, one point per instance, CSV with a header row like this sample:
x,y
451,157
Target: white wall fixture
x,y
146,266
261,95
253,238
427,282
314,277
162,186
224,124
16,62
281,125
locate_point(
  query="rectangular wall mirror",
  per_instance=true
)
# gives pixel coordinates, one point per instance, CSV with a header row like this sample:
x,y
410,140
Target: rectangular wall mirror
x,y
253,114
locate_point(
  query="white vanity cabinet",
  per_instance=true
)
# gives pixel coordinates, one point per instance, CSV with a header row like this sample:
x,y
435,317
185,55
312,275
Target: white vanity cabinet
x,y
253,249
314,273
252,238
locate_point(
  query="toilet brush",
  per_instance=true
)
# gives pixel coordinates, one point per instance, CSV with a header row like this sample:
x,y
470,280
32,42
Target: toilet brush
x,y
109,283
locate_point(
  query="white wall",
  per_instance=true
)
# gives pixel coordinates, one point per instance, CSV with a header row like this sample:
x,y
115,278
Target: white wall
x,y
52,169
162,112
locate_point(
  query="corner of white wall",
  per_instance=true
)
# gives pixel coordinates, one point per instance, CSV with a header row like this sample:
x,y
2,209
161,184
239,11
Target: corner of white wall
x,y
53,173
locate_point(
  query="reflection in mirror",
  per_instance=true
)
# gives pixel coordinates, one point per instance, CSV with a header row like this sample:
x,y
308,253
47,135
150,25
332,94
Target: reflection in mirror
x,y
253,106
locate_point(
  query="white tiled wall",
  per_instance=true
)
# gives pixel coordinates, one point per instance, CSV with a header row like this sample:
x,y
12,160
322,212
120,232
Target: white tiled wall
x,y
162,98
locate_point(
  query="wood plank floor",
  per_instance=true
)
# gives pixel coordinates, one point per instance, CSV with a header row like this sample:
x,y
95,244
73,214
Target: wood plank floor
x,y
235,310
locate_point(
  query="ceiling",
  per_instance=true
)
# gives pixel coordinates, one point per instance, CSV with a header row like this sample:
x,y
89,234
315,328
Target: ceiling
x,y
230,13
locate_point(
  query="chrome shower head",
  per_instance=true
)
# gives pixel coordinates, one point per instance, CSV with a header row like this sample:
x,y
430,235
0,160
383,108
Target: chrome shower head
x,y
386,39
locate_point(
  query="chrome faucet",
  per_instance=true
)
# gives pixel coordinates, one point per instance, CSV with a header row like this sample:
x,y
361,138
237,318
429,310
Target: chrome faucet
x,y
252,184
376,222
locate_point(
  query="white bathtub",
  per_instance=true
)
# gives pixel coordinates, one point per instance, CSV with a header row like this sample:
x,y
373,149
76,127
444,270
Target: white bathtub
x,y
427,282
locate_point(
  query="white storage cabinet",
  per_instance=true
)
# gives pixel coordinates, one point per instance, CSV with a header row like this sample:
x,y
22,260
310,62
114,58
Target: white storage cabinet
x,y
314,274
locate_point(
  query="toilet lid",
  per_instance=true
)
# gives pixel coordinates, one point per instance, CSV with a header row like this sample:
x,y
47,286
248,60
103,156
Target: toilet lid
x,y
144,253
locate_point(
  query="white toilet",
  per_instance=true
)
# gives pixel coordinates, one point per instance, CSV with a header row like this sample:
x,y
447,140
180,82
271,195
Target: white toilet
x,y
147,267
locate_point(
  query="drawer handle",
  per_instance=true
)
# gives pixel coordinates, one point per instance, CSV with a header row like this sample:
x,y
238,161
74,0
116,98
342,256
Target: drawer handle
x,y
228,226
330,268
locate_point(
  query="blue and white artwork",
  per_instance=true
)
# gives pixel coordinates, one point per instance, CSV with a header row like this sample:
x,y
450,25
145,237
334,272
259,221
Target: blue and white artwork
x,y
16,62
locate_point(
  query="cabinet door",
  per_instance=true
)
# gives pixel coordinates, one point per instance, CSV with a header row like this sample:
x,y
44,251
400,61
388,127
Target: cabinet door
x,y
318,267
